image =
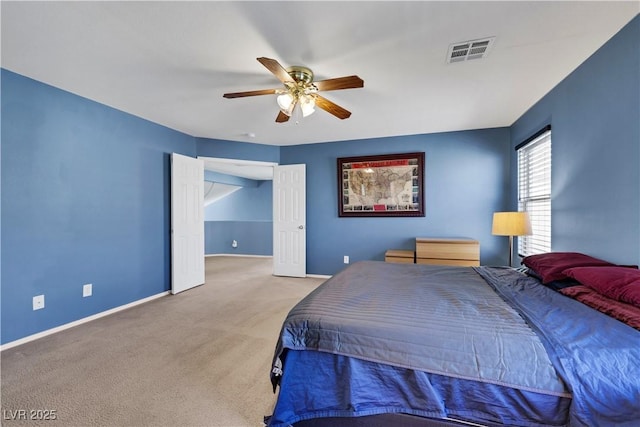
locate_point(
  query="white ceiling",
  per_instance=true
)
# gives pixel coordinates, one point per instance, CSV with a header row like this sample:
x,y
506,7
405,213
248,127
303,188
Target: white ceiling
x,y
171,62
250,169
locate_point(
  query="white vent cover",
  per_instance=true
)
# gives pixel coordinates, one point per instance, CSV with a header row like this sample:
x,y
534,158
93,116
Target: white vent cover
x,y
472,49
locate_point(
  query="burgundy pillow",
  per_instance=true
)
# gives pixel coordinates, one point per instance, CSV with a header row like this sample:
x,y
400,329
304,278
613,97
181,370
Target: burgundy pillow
x,y
550,266
618,283
626,313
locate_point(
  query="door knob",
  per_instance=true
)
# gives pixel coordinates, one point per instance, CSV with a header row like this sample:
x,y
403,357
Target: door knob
x,y
301,227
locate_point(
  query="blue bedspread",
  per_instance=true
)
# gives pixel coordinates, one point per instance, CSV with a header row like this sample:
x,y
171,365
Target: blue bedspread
x,y
598,356
318,384
371,334
438,319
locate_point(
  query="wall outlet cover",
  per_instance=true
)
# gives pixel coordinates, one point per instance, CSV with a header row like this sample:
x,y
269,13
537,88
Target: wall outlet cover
x,y
38,302
87,290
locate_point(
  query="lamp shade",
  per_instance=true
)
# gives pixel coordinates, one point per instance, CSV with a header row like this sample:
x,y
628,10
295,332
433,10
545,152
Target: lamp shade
x,y
307,104
285,102
511,224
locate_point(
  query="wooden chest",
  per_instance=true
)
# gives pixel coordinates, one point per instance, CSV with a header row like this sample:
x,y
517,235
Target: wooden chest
x,y
396,255
447,251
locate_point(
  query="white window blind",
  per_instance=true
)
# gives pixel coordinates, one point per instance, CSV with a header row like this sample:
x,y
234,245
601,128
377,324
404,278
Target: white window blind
x,y
534,191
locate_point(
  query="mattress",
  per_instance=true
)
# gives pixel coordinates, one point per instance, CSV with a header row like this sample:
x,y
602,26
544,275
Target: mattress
x,y
440,320
483,344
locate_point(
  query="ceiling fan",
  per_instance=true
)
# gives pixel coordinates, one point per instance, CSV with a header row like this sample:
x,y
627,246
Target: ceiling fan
x,y
301,91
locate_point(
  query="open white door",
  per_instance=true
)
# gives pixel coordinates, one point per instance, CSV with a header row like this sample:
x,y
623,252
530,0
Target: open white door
x,y
187,223
289,221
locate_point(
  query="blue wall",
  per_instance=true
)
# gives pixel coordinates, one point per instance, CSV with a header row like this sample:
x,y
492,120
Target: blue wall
x,y
466,180
246,204
595,119
85,188
85,199
253,237
237,150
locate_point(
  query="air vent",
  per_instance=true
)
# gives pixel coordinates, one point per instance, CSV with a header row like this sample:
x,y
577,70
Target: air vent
x,y
473,49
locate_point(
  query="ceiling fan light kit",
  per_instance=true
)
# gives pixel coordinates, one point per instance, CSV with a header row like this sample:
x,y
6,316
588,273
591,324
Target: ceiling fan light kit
x,y
299,93
288,104
299,96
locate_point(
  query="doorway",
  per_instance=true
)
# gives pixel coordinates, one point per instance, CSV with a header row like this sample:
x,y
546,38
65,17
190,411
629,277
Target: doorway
x,y
289,251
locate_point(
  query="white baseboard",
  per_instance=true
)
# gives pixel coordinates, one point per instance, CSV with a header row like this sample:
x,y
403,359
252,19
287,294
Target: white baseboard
x,y
79,322
240,255
319,276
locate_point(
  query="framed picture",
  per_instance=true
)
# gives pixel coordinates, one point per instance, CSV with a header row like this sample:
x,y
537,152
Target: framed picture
x,y
385,185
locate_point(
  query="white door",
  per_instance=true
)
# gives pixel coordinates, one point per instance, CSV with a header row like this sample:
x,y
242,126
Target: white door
x,y
187,223
289,221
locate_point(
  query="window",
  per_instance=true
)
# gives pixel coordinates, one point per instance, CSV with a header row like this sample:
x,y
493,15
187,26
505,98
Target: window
x,y
534,191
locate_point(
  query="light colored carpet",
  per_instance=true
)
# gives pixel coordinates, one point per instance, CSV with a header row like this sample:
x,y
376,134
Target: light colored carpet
x,y
199,358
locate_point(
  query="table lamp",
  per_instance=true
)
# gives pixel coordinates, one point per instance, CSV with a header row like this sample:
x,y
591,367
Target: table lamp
x,y
511,224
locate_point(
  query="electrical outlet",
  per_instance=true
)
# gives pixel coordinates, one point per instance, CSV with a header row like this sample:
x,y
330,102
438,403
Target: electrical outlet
x,y
38,302
346,259
234,244
87,290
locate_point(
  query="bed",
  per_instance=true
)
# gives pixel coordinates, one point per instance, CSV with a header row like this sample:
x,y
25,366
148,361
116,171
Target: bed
x,y
424,345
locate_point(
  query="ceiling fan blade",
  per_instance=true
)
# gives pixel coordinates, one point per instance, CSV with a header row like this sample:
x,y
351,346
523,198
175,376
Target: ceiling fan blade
x,y
250,93
282,117
349,82
277,69
331,107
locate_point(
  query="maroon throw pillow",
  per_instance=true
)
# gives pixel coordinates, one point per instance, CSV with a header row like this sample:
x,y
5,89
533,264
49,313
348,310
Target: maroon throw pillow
x,y
618,283
550,266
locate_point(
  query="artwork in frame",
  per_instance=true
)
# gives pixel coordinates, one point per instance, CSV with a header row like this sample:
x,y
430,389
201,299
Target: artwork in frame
x,y
382,185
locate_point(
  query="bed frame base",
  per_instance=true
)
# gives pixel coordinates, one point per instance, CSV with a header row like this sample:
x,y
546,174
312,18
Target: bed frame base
x,y
383,420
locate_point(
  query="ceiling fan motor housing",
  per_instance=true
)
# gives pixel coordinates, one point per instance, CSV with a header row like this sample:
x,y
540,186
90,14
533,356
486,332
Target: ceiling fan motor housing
x,y
300,74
